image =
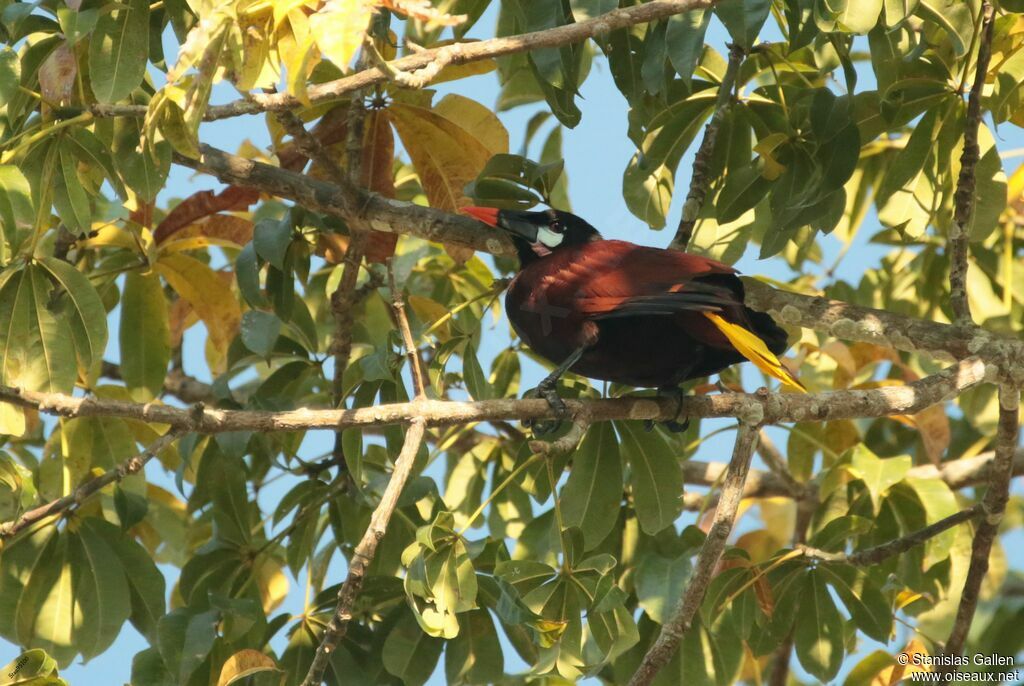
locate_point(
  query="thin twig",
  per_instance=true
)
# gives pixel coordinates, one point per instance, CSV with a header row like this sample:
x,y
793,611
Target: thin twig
x,y
763,408
881,552
993,506
964,200
419,379
707,560
702,159
132,465
367,547
457,53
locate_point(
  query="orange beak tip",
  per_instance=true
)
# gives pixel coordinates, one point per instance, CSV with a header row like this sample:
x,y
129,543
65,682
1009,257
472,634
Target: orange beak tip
x,y
487,215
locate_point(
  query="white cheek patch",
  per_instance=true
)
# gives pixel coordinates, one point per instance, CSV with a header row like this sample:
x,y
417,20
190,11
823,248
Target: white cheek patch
x,y
549,237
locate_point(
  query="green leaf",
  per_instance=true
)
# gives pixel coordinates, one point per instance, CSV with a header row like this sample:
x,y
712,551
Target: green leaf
x,y
954,17
938,502
743,19
260,331
659,584
475,655
184,639
271,239
989,189
869,607
148,668
877,474
46,612
833,536
847,16
30,668
36,349
10,74
84,312
685,41
592,495
743,189
654,474
409,653
100,589
119,51
96,442
649,179
17,214
819,636
144,334
69,195
476,381
146,584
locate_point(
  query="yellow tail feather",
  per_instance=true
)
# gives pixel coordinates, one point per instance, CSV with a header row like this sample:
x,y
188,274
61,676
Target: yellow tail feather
x,y
755,350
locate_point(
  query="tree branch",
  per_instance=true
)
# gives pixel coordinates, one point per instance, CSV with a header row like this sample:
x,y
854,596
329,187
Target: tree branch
x,y
879,553
419,65
761,408
702,159
993,505
833,317
964,200
707,560
383,214
365,552
130,466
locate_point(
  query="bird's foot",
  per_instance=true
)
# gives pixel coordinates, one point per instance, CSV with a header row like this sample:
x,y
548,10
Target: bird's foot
x,y
549,393
673,425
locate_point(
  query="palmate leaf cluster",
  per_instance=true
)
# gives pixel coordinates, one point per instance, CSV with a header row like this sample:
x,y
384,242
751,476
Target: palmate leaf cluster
x,y
839,110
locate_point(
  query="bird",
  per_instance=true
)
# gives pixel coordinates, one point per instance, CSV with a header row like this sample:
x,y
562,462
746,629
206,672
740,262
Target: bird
x,y
616,311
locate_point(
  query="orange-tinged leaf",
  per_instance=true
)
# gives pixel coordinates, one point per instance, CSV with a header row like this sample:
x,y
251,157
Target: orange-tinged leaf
x,y
898,672
377,167
222,230
331,247
203,204
446,153
208,294
475,118
245,663
933,425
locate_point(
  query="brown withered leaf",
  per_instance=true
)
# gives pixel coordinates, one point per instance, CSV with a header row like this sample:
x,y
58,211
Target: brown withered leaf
x,y
378,176
57,75
203,204
224,227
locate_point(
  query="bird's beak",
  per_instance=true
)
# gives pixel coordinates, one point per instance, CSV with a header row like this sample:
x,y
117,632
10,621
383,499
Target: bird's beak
x,y
488,215
516,223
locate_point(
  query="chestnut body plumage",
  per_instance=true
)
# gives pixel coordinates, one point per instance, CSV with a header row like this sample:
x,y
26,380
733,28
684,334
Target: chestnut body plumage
x,y
636,311
616,311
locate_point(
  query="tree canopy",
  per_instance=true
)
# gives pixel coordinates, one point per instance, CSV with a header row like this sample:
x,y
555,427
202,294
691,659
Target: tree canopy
x,y
334,289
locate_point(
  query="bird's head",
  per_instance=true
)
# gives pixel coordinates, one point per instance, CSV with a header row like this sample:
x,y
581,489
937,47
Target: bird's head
x,y
537,234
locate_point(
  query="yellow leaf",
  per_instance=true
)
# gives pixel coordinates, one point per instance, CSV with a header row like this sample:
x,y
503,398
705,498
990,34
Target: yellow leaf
x,y
209,296
755,350
339,27
448,145
766,149
245,663
12,420
273,585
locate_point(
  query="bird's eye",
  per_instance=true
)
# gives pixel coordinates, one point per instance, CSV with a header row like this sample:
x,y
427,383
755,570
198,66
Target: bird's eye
x,y
556,226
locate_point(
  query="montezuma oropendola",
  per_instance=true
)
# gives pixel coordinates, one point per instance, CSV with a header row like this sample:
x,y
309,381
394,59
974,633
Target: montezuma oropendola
x,y
616,311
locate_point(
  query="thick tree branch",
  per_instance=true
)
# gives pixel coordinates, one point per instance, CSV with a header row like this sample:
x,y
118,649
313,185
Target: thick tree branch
x,y
425,63
702,159
761,408
964,199
132,465
993,506
707,560
382,214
